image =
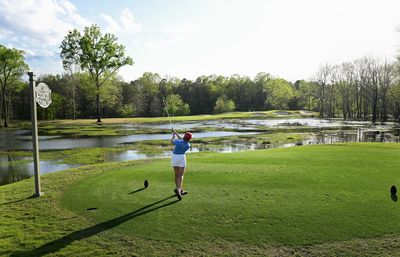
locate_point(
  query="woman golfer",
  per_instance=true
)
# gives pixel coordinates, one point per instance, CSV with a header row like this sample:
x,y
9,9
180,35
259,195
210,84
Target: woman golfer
x,y
178,160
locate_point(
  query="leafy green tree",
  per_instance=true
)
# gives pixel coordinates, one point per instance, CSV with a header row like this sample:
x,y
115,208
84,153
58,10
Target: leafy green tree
x,y
127,110
176,107
306,92
260,82
200,94
20,101
224,105
280,93
53,111
96,53
242,91
110,94
150,103
70,59
12,67
395,98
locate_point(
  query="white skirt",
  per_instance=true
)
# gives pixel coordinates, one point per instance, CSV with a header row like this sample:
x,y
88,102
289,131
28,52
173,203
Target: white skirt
x,y
178,160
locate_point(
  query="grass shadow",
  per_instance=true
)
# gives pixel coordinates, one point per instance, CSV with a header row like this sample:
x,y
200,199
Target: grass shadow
x,y
64,241
16,201
394,198
138,190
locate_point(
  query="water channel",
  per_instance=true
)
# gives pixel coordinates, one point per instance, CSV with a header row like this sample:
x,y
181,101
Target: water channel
x,y
15,168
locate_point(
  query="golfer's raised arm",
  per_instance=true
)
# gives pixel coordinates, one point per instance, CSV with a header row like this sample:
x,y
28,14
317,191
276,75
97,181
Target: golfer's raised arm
x,y
173,137
176,133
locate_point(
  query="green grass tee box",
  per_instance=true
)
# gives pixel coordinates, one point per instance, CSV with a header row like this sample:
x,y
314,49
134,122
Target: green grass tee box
x,y
296,196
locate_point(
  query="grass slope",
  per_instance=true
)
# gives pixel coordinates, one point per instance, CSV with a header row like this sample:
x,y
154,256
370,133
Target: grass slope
x,y
330,200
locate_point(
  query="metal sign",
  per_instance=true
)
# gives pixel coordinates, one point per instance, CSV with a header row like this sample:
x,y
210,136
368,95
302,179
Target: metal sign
x,y
43,95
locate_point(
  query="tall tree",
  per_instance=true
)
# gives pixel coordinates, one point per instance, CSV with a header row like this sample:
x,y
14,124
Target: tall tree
x,y
12,67
98,54
386,77
70,53
373,87
322,79
306,94
280,93
150,103
362,80
347,88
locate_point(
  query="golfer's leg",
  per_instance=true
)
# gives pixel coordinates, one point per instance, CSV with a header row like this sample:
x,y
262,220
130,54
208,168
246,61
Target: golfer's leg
x,y
176,169
181,172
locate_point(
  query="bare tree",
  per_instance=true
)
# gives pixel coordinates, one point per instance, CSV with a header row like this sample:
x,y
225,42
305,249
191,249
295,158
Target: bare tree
x,y
322,79
347,88
385,79
361,87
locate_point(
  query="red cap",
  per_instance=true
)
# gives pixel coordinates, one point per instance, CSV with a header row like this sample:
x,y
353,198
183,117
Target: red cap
x,y
187,136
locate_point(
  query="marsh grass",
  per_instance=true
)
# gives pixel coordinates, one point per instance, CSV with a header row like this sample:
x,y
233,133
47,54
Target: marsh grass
x,y
93,155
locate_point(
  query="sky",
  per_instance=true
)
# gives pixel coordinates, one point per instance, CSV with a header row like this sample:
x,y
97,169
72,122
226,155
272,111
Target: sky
x,y
290,39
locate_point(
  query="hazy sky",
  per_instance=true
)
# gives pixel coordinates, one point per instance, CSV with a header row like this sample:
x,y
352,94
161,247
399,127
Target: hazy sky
x,y
189,38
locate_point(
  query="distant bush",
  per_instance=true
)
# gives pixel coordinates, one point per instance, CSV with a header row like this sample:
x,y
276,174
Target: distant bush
x,y
224,105
127,111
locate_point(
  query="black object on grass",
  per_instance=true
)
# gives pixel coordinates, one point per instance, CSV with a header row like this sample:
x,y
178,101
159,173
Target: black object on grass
x,y
146,184
393,190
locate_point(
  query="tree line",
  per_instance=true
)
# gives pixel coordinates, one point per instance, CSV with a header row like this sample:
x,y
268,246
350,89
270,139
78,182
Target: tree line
x,y
363,89
144,96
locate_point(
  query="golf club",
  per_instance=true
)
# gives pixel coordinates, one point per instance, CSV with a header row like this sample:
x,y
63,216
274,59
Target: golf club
x,y
166,109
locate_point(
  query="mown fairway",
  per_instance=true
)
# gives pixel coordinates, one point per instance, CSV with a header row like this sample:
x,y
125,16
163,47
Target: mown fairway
x,y
298,196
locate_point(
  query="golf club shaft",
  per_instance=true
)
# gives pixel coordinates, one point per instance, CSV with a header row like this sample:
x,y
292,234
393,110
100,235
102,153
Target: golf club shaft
x,y
166,109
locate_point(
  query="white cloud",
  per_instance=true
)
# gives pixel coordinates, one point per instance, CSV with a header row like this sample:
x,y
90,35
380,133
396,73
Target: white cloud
x,y
125,25
112,25
43,21
128,22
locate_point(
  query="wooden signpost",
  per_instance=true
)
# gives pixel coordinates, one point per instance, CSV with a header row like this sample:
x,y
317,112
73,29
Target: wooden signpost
x,y
42,95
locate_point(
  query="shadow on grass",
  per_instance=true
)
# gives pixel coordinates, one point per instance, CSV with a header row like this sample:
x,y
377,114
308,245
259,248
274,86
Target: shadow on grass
x,y
64,241
394,197
16,201
137,191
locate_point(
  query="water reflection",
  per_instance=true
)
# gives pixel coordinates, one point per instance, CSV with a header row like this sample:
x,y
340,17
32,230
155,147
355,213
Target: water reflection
x,y
320,138
130,155
252,124
58,143
11,172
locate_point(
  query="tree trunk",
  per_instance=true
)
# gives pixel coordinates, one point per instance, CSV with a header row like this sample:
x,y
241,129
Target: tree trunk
x,y
98,105
384,108
73,100
5,114
321,114
374,106
1,110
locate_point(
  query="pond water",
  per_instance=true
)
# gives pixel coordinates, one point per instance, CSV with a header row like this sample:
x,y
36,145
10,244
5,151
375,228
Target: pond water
x,y
252,124
13,173
21,140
